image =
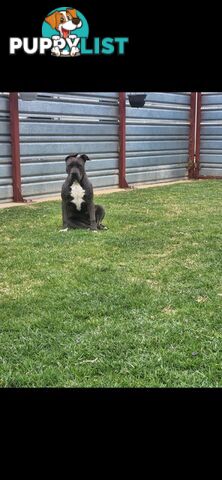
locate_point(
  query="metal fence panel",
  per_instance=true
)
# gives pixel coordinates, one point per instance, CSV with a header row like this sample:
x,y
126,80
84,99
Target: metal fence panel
x,y
157,138
5,151
58,124
211,134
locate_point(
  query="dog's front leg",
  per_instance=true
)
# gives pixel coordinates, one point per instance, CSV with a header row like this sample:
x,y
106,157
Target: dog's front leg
x,y
92,216
73,41
64,216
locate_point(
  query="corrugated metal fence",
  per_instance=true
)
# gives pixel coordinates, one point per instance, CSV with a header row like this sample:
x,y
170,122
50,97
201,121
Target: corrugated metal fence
x,y
158,138
5,151
57,124
211,134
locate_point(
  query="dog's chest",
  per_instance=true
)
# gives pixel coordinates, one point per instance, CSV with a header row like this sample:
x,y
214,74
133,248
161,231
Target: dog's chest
x,y
77,193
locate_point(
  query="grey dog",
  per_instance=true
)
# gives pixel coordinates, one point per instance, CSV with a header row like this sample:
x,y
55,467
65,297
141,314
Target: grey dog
x,y
78,208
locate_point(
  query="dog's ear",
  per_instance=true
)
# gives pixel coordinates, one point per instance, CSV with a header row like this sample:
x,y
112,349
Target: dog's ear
x,y
72,155
67,158
72,12
51,19
85,157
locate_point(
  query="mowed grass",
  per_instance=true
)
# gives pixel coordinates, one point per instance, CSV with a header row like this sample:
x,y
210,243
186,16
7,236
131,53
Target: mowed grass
x,y
139,305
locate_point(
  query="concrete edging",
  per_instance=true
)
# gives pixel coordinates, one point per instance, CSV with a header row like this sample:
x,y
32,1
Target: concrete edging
x,y
98,191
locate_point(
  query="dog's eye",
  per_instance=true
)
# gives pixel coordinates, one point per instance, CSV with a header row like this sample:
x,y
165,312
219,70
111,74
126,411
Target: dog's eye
x,y
69,17
61,20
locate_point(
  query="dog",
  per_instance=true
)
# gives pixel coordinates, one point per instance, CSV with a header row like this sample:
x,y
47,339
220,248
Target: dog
x,y
64,22
78,208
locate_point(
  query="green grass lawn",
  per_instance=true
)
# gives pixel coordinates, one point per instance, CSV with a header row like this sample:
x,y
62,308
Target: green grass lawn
x,y
138,305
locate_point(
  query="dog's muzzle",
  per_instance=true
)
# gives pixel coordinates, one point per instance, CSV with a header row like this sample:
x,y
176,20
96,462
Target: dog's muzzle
x,y
67,27
74,175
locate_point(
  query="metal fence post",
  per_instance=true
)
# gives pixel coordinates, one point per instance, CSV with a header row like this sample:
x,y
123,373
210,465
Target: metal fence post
x,y
192,135
15,146
198,120
122,141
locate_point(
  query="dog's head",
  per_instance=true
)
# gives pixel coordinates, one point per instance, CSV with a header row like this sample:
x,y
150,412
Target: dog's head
x,y
64,21
75,166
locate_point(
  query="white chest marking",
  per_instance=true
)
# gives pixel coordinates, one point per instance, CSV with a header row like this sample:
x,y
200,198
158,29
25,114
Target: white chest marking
x,y
77,193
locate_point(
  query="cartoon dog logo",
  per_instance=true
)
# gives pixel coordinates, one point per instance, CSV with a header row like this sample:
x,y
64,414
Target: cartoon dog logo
x,y
64,21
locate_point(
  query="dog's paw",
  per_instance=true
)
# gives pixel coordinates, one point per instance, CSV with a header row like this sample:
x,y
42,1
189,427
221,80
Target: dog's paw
x,y
64,230
74,51
102,227
93,227
55,52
